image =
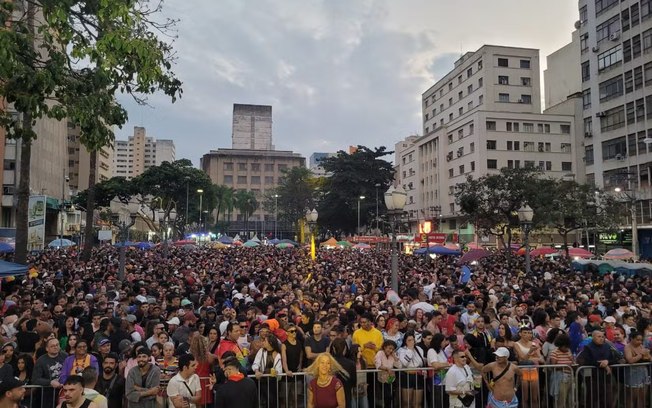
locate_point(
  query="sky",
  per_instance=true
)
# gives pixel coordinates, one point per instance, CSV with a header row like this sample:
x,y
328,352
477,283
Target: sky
x,y
336,72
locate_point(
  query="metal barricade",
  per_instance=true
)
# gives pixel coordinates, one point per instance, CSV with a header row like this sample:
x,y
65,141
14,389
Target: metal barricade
x,y
620,386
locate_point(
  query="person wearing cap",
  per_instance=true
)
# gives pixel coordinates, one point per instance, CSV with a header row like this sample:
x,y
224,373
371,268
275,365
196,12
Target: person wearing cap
x,y
500,378
143,382
610,328
12,393
104,348
134,334
238,390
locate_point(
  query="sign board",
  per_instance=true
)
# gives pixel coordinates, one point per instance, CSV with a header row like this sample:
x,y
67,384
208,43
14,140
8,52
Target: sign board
x,y
105,235
36,223
433,237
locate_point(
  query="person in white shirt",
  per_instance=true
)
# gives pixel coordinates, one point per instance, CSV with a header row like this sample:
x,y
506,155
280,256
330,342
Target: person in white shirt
x,y
469,317
412,383
184,389
459,380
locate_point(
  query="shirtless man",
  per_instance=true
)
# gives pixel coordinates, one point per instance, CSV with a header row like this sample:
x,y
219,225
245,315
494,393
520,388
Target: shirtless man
x,y
502,386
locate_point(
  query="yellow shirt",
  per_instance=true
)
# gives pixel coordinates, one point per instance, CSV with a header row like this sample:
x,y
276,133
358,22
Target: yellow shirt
x,y
362,337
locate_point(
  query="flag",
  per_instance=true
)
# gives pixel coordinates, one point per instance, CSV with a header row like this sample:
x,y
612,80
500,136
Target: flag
x,y
313,255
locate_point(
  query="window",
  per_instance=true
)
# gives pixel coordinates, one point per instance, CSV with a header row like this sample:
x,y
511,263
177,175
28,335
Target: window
x,y
508,126
565,147
510,164
528,127
526,81
491,125
509,145
450,86
646,8
469,72
472,147
612,119
584,14
528,164
525,64
604,30
228,179
611,88
459,79
450,117
540,127
472,166
586,98
441,107
460,95
282,167
516,124
503,62
460,134
631,144
525,99
564,129
255,179
503,80
635,14
627,50
480,99
242,166
270,180
450,173
269,167
528,146
624,20
469,105
640,109
584,42
491,145
548,166
471,128
503,97
586,71
480,82
255,167
629,81
638,77
636,46
469,89
613,148
228,166
242,179
588,155
546,128
647,40
492,164
461,169
450,101
610,57
648,106
631,113
603,5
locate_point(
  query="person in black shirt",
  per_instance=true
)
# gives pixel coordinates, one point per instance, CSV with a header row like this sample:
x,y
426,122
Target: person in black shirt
x,y
315,344
27,338
238,391
292,355
110,383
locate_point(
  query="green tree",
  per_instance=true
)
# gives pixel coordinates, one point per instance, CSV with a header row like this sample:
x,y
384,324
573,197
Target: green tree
x,y
224,204
69,59
106,190
247,204
352,176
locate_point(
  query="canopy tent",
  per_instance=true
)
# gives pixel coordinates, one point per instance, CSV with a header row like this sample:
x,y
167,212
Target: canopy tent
x,y
273,241
126,243
284,245
145,245
605,266
362,245
289,241
251,243
344,244
578,253
331,242
6,248
12,269
236,242
61,243
437,250
474,255
219,245
255,239
619,253
225,239
185,242
543,251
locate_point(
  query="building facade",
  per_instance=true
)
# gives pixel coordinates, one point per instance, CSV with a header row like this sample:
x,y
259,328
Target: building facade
x,y
79,162
139,152
252,127
314,163
482,116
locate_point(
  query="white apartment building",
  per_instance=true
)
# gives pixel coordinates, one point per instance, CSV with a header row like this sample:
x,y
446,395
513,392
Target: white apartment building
x,y
616,75
482,116
140,152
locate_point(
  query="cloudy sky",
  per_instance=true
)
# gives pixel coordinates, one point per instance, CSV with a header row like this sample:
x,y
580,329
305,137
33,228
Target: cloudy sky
x,y
337,72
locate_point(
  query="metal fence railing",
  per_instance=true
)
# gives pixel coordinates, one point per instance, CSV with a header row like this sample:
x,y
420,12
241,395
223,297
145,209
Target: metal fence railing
x,y
543,386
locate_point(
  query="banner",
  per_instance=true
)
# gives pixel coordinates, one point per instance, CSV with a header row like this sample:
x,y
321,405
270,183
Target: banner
x,y
36,223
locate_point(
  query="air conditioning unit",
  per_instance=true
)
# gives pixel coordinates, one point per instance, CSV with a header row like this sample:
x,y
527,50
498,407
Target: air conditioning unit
x,y
448,158
615,36
578,24
595,49
520,101
588,134
620,157
601,114
541,148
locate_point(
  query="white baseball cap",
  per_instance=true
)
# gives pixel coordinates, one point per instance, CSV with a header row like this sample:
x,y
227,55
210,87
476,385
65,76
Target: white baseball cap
x,y
502,352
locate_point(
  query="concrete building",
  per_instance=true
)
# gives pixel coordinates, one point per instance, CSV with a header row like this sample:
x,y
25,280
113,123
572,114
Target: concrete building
x,y
559,79
252,127
140,152
616,75
259,171
79,162
482,116
314,163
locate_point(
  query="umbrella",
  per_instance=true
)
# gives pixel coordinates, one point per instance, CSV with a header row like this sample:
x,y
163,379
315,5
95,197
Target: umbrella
x,y
441,250
273,241
425,306
288,241
251,243
474,255
183,242
225,239
237,243
578,253
344,244
543,251
283,245
362,245
61,243
126,243
473,245
420,251
619,253
144,245
5,248
219,245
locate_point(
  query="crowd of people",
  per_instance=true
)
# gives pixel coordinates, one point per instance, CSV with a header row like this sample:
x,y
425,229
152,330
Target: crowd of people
x,y
245,327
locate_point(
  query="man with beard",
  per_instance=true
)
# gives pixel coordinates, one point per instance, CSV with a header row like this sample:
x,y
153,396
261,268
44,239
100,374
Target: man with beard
x,y
142,384
111,384
73,394
47,371
12,392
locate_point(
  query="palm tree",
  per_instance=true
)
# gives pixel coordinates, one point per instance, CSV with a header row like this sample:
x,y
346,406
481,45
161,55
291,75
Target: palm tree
x,y
224,199
246,203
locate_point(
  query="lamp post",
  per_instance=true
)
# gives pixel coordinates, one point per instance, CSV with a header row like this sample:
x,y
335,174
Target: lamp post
x,y
123,228
311,217
165,220
359,199
187,197
525,215
201,196
377,185
632,208
275,215
62,207
395,201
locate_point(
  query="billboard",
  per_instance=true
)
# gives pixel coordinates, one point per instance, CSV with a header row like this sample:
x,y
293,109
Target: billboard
x,y
36,223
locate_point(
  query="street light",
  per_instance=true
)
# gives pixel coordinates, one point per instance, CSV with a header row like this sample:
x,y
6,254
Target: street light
x,y
123,228
359,199
275,216
62,207
187,178
632,208
165,220
201,196
395,201
525,215
311,217
377,185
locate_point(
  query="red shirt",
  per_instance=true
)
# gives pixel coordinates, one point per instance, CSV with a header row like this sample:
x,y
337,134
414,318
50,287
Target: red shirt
x,y
325,397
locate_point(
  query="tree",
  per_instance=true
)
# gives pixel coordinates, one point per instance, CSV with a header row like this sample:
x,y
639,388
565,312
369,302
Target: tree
x,y
352,176
568,206
491,202
246,203
224,202
106,191
69,59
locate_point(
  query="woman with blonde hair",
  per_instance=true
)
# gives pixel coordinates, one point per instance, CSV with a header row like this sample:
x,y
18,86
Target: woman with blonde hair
x,y
205,360
325,390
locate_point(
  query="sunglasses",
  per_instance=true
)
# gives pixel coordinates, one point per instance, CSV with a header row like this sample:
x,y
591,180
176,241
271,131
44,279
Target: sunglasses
x,y
292,331
243,327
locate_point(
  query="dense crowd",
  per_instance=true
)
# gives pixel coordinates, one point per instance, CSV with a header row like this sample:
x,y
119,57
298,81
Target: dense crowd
x,y
190,330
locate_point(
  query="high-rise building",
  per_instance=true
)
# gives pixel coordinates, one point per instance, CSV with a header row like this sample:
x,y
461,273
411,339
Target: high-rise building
x,y
314,163
482,116
616,75
252,127
79,162
140,152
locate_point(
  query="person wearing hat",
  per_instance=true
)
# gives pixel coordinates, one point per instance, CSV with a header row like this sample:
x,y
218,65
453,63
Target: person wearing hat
x,y
238,390
143,382
104,349
500,378
12,392
131,328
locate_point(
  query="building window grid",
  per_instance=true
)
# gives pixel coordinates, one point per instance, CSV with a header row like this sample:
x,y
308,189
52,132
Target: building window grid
x,y
603,5
610,57
606,29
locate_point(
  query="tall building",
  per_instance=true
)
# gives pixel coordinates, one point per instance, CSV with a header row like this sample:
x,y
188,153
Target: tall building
x,y
140,152
482,116
314,163
559,79
79,162
616,75
252,127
